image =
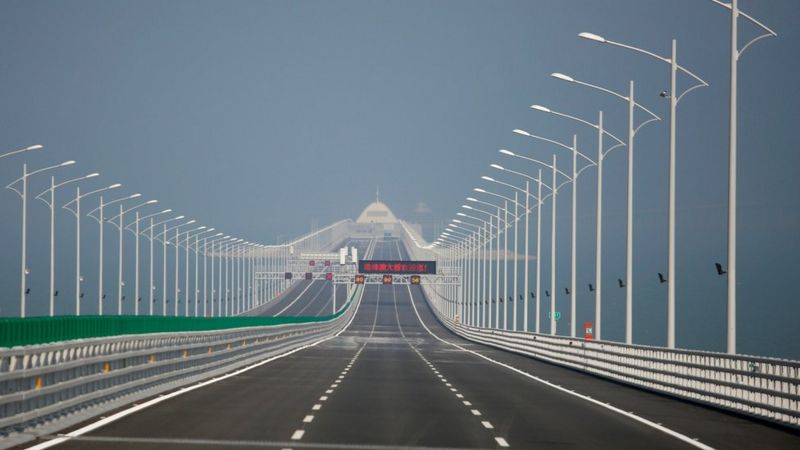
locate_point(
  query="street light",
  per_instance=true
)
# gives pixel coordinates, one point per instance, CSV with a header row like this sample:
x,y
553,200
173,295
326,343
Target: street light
x,y
77,213
632,130
26,149
674,98
135,232
151,238
51,204
164,242
601,154
735,54
23,193
120,227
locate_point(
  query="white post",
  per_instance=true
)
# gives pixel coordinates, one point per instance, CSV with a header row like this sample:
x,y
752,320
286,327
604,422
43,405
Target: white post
x,y
23,256
177,271
629,246
553,254
52,245
152,286
164,273
734,53
119,265
673,102
497,273
196,292
505,272
100,264
539,204
516,260
136,298
78,251
573,282
598,281
527,253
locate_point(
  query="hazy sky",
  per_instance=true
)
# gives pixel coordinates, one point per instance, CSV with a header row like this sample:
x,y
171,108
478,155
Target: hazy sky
x,y
261,118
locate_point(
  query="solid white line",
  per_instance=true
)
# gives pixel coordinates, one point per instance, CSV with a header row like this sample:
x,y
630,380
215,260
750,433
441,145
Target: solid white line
x,y
630,415
296,298
308,419
501,442
298,434
162,397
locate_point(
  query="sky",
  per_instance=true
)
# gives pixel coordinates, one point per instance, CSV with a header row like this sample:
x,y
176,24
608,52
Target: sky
x,y
265,119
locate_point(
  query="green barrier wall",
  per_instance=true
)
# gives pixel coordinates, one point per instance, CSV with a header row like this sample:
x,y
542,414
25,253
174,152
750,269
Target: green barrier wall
x,y
40,330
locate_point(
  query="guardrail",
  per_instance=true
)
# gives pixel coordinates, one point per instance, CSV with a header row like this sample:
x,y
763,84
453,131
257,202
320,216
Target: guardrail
x,y
45,388
766,388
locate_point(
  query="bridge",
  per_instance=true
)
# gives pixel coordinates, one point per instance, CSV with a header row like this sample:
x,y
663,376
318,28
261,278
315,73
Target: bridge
x,y
150,327
394,364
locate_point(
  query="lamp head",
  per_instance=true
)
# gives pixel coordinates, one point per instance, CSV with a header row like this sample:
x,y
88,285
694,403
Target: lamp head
x,y
507,152
467,207
521,132
150,202
114,186
540,108
92,175
484,177
34,147
457,221
461,214
497,166
166,211
190,222
563,77
67,163
135,195
472,199
179,218
479,190
592,37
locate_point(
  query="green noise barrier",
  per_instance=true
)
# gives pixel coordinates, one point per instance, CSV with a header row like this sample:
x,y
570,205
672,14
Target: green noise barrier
x,y
16,332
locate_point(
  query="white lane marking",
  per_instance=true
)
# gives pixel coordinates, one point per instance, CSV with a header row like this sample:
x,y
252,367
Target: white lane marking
x,y
329,391
460,395
298,434
296,298
639,419
467,403
501,442
323,398
308,419
488,425
475,412
163,397
316,407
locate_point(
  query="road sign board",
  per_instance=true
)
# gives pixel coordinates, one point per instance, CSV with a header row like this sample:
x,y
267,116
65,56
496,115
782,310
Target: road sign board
x,y
397,267
588,330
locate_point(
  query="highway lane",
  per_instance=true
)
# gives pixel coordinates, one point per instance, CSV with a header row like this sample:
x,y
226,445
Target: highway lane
x,y
389,381
311,298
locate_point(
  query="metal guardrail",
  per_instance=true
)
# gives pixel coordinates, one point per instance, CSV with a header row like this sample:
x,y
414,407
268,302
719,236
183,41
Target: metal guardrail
x,y
766,388
49,387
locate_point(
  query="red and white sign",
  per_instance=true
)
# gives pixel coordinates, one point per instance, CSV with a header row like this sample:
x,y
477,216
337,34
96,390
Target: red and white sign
x,y
588,330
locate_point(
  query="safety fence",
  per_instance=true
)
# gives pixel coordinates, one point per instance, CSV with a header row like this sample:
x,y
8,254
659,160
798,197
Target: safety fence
x,y
766,388
45,388
40,330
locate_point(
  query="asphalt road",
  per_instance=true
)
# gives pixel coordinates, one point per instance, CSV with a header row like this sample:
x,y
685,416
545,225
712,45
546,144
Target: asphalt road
x,y
395,378
311,298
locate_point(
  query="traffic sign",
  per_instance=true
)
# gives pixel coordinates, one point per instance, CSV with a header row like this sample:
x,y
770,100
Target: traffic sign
x,y
329,276
588,330
415,279
387,279
359,279
309,275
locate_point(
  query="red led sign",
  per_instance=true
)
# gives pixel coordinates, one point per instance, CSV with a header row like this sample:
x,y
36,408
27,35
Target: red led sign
x,y
397,267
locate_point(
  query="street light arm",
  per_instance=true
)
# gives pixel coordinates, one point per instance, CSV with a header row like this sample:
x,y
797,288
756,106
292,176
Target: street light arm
x,y
560,144
29,174
653,115
126,211
26,149
769,32
40,196
538,162
113,186
122,199
578,119
620,145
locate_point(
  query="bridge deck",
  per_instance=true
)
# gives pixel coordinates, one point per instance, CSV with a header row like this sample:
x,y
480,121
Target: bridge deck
x,y
396,378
